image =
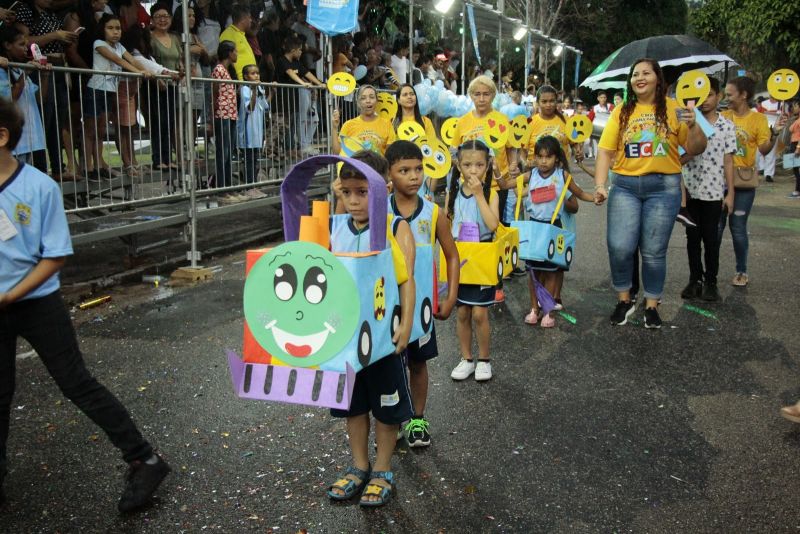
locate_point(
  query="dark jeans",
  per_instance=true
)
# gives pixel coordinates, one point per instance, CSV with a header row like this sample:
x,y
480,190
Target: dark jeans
x,y
250,164
742,204
706,214
55,112
224,148
45,324
163,116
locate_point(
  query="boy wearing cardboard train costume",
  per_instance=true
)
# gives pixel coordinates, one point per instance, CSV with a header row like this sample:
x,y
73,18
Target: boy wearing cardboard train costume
x,y
380,388
406,174
34,242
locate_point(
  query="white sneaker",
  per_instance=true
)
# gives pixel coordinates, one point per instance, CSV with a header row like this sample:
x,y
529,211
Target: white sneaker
x,y
463,370
483,371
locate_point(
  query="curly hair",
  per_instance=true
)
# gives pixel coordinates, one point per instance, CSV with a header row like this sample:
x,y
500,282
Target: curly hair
x,y
660,97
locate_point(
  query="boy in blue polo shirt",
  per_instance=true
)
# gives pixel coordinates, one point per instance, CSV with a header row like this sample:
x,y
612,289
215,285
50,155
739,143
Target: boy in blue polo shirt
x,y
34,243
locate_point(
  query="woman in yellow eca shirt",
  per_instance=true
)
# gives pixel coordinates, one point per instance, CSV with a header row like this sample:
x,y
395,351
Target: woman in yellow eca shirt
x,y
367,131
752,134
640,147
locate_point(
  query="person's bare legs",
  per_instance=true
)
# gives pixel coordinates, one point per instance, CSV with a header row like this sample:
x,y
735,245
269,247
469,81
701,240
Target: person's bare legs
x,y
358,435
480,318
386,439
464,331
418,382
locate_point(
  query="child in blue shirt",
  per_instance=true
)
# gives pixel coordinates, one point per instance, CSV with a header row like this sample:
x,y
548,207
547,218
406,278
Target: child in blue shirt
x,y
546,183
34,243
253,108
422,215
381,387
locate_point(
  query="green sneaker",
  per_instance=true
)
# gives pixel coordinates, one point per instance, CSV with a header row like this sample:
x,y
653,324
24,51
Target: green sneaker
x,y
416,432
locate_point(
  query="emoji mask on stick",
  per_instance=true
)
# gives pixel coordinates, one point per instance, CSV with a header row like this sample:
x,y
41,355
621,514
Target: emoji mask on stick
x,y
341,84
579,128
783,84
692,89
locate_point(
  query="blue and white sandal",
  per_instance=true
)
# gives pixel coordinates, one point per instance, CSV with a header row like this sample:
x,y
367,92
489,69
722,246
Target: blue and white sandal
x,y
348,486
382,492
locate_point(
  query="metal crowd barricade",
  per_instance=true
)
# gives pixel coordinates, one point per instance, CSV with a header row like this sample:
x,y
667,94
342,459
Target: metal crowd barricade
x,y
119,156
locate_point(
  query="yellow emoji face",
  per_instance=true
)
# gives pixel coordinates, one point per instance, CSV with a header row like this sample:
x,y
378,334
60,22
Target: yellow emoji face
x,y
380,299
560,243
341,84
448,130
579,128
783,84
410,130
692,89
436,159
387,106
496,130
520,134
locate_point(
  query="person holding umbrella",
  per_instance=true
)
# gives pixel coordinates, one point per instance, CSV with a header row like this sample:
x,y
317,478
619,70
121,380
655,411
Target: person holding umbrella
x,y
640,147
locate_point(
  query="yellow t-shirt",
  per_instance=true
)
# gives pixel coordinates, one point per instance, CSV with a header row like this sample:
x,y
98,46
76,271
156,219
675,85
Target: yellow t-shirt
x,y
468,128
540,127
244,52
374,135
751,130
641,149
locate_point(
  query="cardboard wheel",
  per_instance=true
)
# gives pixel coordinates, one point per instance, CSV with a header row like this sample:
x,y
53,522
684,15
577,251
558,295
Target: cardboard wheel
x,y
364,345
395,324
514,257
551,250
568,255
499,269
426,315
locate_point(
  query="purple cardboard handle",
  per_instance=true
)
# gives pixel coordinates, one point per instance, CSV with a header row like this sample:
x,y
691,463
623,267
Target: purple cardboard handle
x,y
293,385
295,200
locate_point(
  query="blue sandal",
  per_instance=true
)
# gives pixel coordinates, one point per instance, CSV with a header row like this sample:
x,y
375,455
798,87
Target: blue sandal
x,y
348,486
382,492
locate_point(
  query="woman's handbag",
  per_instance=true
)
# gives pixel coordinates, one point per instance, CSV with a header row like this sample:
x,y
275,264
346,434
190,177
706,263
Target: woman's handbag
x,y
745,178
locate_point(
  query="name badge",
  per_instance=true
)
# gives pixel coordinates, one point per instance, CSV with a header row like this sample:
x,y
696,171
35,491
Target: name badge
x,y
540,195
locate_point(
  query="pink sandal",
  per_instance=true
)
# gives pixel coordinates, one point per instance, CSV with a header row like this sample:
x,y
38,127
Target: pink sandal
x,y
548,321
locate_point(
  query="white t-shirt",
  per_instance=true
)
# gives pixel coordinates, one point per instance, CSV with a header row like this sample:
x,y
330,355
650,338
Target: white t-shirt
x,y
597,108
770,106
400,67
102,82
704,175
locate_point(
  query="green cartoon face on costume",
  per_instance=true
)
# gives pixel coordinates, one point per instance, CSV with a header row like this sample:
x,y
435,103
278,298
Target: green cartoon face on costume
x,y
301,304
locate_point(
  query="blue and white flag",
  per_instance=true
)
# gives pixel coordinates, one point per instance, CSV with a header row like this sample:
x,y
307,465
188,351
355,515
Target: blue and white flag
x,y
333,17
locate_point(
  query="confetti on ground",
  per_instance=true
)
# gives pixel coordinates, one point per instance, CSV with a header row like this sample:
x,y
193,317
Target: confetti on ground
x,y
700,311
568,317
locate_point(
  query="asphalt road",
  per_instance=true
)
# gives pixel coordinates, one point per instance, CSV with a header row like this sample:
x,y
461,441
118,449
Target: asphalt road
x,y
584,428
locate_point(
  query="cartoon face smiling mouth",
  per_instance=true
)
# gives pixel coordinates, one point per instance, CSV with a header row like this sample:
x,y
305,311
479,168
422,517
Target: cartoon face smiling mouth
x,y
297,345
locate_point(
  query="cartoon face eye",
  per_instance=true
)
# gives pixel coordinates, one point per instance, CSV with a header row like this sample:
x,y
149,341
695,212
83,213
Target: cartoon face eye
x,y
778,78
440,158
580,123
789,79
426,151
699,83
315,285
285,282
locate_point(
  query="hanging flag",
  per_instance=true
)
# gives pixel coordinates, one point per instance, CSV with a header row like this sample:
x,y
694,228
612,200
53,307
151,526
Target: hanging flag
x,y
471,15
333,17
577,69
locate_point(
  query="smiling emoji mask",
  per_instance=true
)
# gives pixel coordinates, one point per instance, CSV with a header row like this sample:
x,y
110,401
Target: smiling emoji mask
x,y
692,89
341,84
496,130
520,134
448,130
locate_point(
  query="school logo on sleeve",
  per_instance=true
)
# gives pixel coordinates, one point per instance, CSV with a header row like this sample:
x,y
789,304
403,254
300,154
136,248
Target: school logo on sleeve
x,y
22,214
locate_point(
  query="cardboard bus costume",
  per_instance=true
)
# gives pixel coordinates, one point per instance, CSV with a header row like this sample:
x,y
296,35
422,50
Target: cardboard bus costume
x,y
485,263
545,241
313,318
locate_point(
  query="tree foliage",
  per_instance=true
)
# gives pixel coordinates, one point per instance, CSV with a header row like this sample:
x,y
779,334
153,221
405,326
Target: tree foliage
x,y
761,34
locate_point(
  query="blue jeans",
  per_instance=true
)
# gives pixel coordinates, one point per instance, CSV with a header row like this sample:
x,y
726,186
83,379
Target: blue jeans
x,y
742,204
641,212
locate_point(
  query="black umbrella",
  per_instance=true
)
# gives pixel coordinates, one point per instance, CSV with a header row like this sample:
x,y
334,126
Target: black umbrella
x,y
675,54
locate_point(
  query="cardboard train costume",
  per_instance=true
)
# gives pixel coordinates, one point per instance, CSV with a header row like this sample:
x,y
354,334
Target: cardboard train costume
x,y
313,318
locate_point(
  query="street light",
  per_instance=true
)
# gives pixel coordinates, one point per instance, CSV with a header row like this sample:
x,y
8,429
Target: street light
x,y
520,33
557,50
443,6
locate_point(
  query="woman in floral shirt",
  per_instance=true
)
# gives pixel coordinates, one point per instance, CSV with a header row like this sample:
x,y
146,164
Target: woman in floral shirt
x,y
225,111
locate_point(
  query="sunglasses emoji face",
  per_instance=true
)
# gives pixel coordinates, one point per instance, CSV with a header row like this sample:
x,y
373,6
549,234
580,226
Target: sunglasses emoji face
x,y
579,128
410,130
387,106
520,134
448,130
496,130
692,89
783,84
436,160
341,84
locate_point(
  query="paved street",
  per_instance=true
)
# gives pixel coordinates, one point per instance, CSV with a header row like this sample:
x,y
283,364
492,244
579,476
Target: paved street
x,y
584,428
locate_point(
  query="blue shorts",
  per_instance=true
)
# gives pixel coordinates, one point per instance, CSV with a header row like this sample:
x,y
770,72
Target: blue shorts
x,y
474,295
425,348
381,388
96,102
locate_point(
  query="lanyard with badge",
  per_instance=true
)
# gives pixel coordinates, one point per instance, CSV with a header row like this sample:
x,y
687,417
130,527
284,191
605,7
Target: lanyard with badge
x,y
7,229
